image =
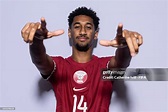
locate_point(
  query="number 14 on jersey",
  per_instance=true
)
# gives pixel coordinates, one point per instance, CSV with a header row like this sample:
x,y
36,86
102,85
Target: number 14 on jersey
x,y
79,106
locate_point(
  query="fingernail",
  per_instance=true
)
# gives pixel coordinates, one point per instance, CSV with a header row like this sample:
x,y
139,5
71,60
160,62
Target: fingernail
x,y
133,54
31,43
39,26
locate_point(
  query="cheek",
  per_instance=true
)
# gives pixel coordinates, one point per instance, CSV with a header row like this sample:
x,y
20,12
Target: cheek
x,y
74,34
92,35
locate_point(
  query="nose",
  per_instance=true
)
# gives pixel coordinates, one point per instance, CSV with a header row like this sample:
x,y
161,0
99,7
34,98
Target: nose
x,y
82,31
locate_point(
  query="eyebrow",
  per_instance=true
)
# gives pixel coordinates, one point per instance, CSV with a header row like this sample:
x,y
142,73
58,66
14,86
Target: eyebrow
x,y
88,23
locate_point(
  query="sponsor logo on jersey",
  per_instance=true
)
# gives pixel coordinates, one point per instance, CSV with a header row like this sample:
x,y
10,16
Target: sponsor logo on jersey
x,y
80,77
79,89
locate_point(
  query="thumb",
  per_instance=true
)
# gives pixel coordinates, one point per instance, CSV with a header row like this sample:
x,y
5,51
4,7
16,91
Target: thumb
x,y
55,33
107,43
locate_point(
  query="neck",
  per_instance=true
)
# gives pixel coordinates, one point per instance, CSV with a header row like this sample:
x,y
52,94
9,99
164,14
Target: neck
x,y
82,57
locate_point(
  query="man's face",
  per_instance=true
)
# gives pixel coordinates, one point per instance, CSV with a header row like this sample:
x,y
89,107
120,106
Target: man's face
x,y
82,32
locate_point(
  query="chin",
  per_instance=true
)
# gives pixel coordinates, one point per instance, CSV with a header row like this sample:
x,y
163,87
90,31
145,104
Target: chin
x,y
82,48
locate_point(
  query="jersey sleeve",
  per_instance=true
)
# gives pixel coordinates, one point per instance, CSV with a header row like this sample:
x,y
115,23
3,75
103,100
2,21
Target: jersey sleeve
x,y
57,70
46,77
106,61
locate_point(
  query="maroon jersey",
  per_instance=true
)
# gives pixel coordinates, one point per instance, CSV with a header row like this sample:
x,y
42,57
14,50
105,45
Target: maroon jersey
x,y
78,87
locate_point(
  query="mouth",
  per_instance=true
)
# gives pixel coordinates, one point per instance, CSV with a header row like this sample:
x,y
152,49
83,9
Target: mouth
x,y
82,38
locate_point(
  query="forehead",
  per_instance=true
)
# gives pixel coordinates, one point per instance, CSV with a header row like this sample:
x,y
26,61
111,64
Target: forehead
x,y
83,19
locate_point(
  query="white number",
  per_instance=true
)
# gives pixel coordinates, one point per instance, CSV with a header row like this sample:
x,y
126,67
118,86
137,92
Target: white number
x,y
75,101
79,107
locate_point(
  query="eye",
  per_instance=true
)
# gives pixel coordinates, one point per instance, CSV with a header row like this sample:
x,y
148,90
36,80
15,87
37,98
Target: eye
x,y
89,27
77,27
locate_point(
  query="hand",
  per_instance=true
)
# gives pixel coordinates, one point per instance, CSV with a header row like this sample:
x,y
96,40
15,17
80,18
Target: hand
x,y
38,30
125,38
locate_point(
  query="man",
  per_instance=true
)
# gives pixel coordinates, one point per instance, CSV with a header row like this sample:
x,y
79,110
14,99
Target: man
x,y
76,80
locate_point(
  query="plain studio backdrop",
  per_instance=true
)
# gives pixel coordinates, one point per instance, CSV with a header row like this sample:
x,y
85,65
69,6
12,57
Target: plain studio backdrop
x,y
21,85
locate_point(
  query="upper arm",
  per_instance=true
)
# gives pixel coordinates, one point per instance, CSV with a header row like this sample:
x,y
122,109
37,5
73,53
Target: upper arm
x,y
55,69
112,63
50,72
46,66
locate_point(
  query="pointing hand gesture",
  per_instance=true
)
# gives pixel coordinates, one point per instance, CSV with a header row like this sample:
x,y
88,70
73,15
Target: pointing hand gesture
x,y
125,38
39,31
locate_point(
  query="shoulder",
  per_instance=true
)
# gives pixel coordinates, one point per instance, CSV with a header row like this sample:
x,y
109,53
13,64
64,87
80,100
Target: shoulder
x,y
103,61
57,59
106,58
61,61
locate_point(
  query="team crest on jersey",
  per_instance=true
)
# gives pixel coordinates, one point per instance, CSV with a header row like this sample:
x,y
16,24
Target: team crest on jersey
x,y
80,77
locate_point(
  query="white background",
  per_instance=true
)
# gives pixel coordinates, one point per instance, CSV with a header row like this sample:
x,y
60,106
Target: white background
x,y
21,85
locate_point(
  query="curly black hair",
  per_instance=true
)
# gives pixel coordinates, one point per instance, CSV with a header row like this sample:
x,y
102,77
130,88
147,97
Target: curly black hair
x,y
84,11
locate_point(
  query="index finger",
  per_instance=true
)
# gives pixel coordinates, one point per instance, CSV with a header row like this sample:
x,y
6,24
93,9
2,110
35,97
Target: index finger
x,y
43,23
119,36
119,31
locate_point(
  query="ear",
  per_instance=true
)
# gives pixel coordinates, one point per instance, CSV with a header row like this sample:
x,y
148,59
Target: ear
x,y
96,34
69,32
